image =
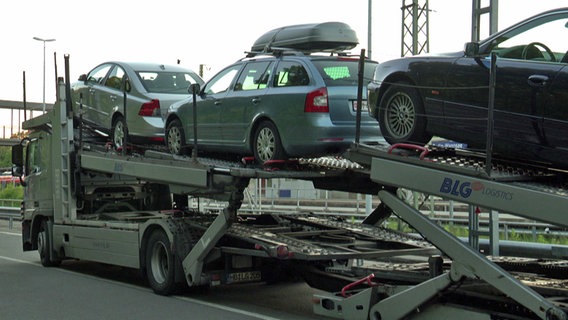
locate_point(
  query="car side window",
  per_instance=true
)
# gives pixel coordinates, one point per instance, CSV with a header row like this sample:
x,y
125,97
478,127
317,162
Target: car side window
x,y
222,81
114,79
290,73
254,76
167,82
543,40
98,74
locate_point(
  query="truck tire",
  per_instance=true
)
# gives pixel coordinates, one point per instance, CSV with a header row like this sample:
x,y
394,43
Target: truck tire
x,y
160,264
44,246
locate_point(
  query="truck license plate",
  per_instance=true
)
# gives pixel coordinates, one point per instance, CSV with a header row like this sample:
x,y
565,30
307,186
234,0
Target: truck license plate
x,y
244,276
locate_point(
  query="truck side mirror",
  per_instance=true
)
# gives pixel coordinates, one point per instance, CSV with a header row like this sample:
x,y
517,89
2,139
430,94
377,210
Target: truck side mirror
x,y
17,171
18,155
18,161
83,78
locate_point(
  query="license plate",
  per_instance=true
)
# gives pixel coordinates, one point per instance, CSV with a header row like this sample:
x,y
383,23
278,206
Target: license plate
x,y
363,103
244,276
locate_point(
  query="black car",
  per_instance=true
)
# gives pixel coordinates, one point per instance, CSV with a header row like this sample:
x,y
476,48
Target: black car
x,y
447,95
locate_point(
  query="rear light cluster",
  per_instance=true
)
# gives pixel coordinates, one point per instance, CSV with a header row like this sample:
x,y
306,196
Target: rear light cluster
x,y
316,101
150,109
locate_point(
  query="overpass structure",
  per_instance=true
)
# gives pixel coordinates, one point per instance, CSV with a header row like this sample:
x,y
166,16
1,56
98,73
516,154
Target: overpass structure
x,y
13,113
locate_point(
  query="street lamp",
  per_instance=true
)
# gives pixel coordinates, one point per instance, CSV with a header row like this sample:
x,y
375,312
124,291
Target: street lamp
x,y
44,41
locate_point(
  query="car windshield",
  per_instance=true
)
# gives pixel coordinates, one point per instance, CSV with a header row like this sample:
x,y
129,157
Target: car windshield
x,y
542,39
343,71
166,82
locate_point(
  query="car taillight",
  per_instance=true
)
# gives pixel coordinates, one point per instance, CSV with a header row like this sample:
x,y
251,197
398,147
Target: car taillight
x,y
150,109
316,101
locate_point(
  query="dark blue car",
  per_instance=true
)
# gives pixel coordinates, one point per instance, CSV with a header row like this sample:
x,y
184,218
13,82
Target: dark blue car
x,y
447,95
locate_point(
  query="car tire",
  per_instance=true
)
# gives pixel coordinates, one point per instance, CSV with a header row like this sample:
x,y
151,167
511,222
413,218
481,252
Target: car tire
x,y
267,145
119,132
401,116
175,138
44,246
160,264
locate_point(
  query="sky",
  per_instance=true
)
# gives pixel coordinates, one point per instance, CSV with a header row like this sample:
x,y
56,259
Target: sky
x,y
214,33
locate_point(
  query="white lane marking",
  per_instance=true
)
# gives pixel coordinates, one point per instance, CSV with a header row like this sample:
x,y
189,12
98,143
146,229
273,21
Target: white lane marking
x,y
192,300
225,308
19,261
10,233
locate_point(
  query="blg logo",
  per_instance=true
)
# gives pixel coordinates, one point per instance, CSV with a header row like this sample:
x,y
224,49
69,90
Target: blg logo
x,y
458,188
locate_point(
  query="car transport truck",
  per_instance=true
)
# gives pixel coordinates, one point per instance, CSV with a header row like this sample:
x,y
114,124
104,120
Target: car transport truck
x,y
86,201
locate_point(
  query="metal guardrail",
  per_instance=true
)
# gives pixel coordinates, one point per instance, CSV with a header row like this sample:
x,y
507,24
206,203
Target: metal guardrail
x,y
10,214
10,203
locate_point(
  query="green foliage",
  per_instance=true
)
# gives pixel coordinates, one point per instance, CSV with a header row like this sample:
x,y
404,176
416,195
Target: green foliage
x,y
11,192
513,235
456,231
5,157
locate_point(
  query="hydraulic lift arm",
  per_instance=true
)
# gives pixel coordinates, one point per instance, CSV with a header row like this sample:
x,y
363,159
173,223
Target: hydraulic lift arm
x,y
467,262
193,262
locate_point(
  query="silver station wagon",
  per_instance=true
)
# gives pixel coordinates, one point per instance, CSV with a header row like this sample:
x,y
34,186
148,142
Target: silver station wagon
x,y
279,103
129,100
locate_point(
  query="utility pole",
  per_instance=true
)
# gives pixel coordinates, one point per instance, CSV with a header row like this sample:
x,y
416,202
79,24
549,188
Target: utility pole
x,y
44,41
477,11
415,28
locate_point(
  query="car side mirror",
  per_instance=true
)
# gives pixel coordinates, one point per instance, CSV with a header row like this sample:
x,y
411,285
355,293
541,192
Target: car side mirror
x,y
83,78
194,88
127,85
471,49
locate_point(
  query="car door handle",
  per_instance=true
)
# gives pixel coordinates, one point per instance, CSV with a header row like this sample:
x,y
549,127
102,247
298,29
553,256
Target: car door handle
x,y
113,98
537,81
91,91
256,100
217,102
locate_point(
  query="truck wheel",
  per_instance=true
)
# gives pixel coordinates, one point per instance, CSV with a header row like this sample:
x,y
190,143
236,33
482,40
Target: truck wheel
x,y
175,138
160,264
401,116
266,144
44,246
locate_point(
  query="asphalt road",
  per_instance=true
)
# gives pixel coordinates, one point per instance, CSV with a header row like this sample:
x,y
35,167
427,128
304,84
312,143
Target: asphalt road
x,y
86,290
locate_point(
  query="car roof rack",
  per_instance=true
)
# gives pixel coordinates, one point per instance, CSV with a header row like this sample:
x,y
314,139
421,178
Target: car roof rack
x,y
332,37
281,51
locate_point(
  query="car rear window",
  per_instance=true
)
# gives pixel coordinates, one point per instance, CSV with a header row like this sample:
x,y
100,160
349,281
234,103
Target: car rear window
x,y
343,71
166,82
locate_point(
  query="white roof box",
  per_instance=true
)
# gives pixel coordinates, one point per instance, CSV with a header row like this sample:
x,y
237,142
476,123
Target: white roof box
x,y
327,36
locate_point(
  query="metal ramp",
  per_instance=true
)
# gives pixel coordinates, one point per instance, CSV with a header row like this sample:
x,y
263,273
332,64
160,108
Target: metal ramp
x,y
520,192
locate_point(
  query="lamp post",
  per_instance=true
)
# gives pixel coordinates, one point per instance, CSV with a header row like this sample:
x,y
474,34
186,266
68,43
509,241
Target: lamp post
x,y
44,41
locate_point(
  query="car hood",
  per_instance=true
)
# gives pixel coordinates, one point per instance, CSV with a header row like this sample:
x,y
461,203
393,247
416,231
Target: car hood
x,y
457,54
406,64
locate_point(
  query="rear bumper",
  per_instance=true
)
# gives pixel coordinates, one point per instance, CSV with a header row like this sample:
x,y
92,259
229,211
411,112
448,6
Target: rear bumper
x,y
329,140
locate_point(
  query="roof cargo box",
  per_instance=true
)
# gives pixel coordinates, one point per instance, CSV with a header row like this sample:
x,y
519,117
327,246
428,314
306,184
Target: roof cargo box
x,y
327,36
